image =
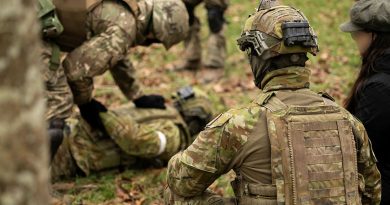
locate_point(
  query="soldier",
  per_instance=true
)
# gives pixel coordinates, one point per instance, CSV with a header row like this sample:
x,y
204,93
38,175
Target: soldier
x,y
98,35
216,45
134,133
59,100
290,145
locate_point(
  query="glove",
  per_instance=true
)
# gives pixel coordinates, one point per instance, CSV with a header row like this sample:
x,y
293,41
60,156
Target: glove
x,y
150,101
56,135
90,113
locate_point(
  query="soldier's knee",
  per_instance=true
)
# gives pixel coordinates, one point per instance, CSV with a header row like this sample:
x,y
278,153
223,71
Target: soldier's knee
x,y
190,6
215,18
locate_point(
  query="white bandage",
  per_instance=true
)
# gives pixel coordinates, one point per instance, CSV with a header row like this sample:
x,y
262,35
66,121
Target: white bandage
x,y
163,142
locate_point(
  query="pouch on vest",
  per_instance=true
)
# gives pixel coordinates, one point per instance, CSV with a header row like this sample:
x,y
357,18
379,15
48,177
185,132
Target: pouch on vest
x,y
313,154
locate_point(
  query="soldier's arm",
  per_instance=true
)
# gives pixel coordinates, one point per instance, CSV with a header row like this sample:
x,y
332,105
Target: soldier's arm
x,y
125,77
371,192
113,30
191,172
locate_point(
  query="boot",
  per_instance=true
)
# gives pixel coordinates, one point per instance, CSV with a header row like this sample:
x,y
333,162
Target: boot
x,y
216,51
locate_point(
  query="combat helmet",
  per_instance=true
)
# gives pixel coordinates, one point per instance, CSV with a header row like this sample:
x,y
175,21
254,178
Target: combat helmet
x,y
169,22
274,30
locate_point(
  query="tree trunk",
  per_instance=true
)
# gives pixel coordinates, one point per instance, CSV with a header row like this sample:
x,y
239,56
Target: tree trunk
x,y
23,140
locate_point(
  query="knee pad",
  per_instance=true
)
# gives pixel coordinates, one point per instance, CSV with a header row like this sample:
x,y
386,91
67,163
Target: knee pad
x,y
215,18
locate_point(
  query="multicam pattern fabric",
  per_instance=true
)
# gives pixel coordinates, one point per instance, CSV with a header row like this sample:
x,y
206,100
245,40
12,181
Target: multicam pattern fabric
x,y
112,30
58,96
291,77
143,140
313,154
170,22
269,21
223,146
111,35
135,133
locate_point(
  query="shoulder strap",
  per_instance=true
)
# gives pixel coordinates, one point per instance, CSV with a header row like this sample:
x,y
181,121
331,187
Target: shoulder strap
x,y
55,59
270,101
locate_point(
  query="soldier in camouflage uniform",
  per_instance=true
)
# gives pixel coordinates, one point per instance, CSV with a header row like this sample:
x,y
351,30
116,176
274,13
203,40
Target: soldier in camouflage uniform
x,y
135,135
98,35
290,145
216,44
59,100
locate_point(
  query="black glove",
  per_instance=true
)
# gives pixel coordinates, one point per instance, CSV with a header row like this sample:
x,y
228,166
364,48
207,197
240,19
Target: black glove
x,y
56,135
150,101
90,113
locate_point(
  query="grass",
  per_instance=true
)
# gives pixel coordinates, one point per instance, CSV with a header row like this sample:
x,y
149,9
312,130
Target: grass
x,y
334,70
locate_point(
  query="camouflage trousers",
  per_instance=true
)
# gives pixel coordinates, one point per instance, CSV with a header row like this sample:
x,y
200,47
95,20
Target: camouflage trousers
x,y
58,95
148,134
216,43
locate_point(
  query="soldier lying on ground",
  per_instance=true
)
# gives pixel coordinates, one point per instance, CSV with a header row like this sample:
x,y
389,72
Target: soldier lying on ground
x,y
135,135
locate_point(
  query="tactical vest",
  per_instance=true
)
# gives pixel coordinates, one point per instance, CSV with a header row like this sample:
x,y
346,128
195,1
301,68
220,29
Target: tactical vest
x,y
313,157
73,16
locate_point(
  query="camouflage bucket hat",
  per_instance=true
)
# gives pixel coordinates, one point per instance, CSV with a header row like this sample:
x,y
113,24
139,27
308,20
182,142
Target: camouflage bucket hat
x,y
278,30
170,21
369,15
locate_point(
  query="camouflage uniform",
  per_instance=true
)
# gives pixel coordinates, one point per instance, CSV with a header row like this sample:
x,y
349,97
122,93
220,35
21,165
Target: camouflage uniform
x,y
59,98
134,134
99,35
290,145
58,95
216,44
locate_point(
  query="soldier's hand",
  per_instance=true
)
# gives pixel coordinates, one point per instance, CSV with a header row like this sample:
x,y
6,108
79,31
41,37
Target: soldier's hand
x,y
90,113
150,101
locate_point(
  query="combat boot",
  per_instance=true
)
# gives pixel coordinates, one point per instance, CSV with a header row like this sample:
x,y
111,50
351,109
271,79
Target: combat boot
x,y
216,50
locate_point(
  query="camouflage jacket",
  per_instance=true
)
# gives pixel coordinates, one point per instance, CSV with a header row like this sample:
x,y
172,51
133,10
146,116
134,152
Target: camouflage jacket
x,y
134,134
110,37
238,140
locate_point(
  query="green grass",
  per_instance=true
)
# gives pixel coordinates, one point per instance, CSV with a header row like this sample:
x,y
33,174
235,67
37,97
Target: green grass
x,y
338,62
